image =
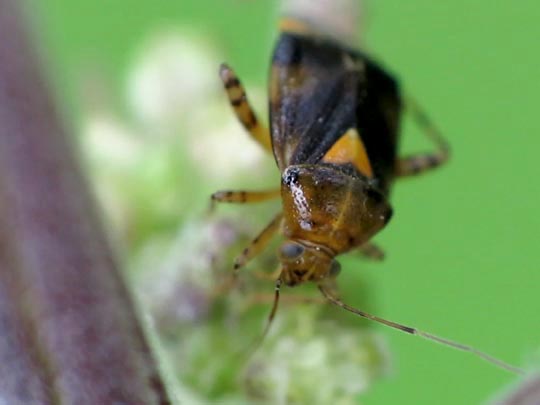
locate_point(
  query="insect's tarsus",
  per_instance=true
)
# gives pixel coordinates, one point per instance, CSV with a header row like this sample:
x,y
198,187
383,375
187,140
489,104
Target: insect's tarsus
x,y
413,331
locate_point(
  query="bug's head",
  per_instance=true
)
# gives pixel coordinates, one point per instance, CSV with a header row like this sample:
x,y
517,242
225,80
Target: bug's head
x,y
301,262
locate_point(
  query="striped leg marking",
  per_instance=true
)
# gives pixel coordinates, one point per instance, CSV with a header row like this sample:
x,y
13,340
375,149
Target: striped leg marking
x,y
416,164
242,108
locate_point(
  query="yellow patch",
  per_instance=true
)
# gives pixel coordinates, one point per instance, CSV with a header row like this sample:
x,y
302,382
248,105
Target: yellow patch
x,y
294,26
350,149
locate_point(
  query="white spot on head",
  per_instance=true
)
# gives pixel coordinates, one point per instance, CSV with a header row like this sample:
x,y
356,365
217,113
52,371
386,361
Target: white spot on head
x,y
301,205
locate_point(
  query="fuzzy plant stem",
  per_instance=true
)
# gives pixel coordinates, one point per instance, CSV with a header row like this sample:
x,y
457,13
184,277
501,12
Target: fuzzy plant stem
x,y
526,392
68,329
339,19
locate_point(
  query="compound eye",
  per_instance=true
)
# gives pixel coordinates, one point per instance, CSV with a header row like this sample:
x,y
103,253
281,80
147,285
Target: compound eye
x,y
335,268
291,250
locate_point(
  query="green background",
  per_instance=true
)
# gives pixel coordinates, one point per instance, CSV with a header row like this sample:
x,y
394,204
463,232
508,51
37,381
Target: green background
x,y
462,248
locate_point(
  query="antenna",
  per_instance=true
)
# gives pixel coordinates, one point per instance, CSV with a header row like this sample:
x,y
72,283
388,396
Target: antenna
x,y
413,331
257,342
273,311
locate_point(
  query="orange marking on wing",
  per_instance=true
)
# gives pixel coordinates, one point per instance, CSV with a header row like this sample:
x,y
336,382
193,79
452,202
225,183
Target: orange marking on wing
x,y
350,149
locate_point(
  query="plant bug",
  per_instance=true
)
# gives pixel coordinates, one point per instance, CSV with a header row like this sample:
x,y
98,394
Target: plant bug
x,y
334,128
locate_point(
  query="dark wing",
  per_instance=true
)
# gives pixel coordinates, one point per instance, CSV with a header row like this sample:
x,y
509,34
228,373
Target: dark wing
x,y
312,98
378,117
319,90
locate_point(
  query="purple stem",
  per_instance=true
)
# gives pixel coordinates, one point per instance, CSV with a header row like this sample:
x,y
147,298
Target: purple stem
x,y
68,329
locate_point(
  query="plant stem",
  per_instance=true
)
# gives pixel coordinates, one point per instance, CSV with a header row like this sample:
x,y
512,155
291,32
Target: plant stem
x,y
69,331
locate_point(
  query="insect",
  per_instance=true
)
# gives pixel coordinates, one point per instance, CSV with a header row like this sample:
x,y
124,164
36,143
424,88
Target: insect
x,y
334,129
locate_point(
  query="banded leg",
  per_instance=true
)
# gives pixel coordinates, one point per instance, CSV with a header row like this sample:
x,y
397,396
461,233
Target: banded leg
x,y
412,165
372,251
258,244
242,197
242,108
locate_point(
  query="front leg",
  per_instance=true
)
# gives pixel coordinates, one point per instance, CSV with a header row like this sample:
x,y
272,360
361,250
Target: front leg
x,y
258,244
243,110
